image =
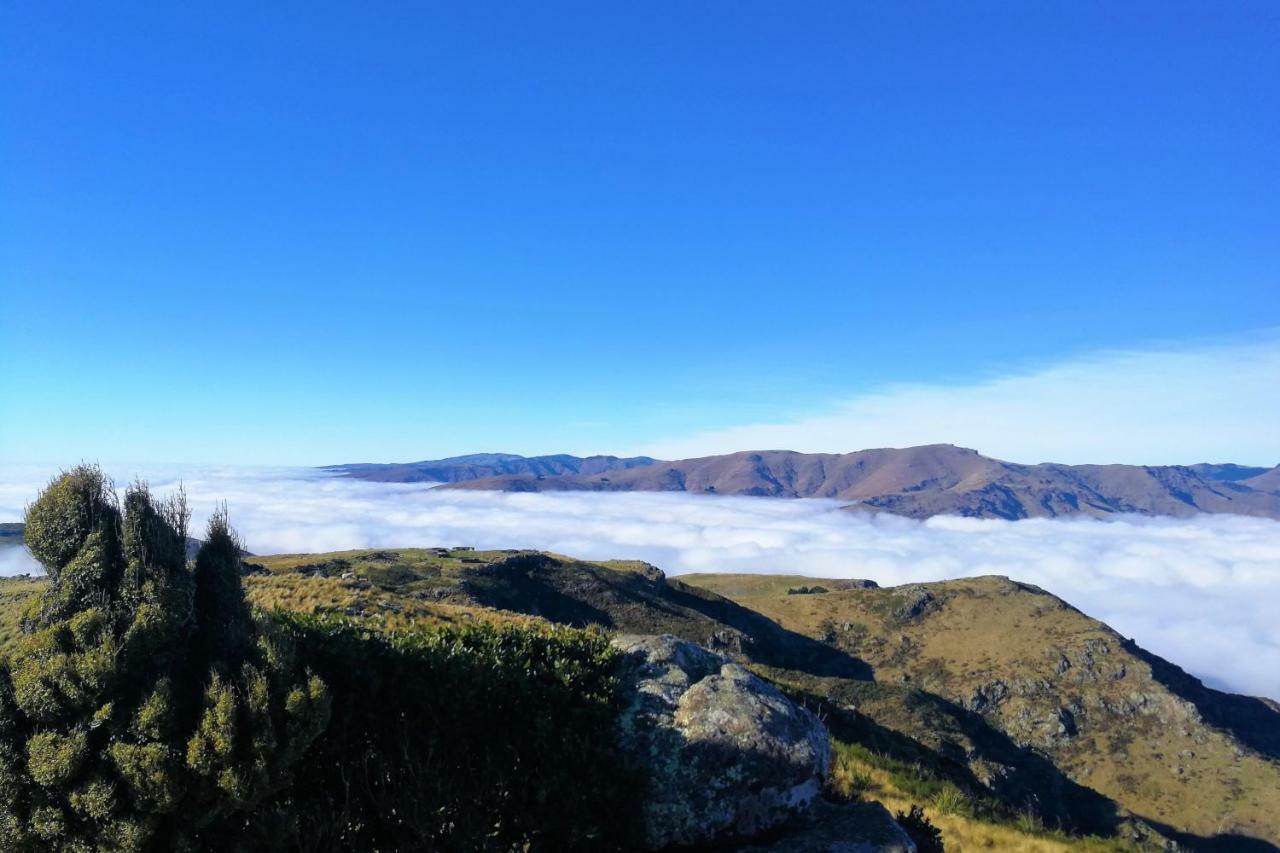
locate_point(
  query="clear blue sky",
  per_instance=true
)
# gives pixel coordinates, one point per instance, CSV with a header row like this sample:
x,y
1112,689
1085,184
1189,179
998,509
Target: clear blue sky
x,y
310,233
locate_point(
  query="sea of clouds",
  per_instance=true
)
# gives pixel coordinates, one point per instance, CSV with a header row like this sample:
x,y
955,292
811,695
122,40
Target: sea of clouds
x,y
1201,592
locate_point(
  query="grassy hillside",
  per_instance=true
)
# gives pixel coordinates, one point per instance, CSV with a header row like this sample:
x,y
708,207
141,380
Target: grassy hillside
x,y
1109,715
16,595
961,677
1002,710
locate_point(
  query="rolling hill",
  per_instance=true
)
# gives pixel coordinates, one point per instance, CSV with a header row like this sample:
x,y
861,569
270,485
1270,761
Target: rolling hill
x,y
481,465
1009,713
996,687
1267,481
920,482
987,684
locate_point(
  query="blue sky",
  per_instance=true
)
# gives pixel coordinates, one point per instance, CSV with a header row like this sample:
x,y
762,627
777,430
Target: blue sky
x,y
318,233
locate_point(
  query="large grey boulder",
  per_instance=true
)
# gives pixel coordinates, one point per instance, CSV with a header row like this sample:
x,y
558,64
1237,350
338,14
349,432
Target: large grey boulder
x,y
726,755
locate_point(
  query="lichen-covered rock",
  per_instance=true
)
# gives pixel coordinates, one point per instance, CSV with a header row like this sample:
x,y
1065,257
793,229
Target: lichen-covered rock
x,y
726,755
846,828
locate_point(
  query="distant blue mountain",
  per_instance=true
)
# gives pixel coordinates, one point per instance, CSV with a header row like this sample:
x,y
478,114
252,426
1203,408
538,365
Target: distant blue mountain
x,y
475,466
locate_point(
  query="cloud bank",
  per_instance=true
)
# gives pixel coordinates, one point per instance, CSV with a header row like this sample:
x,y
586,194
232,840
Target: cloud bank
x,y
1173,406
1200,592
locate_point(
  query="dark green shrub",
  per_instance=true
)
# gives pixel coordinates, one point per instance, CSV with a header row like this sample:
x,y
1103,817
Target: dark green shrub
x,y
148,709
928,838
137,715
472,738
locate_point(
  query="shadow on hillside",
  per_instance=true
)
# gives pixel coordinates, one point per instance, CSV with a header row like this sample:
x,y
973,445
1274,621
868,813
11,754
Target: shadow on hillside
x,y
1252,721
1035,782
773,645
1225,843
1023,779
582,594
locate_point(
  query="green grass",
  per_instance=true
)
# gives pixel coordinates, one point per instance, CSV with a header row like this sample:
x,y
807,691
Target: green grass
x,y
16,596
968,822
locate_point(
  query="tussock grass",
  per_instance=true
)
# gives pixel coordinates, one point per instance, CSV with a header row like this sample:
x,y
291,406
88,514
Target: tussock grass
x,y
968,823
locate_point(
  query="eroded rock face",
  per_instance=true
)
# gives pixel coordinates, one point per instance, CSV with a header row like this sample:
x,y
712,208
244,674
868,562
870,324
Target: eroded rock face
x,y
726,754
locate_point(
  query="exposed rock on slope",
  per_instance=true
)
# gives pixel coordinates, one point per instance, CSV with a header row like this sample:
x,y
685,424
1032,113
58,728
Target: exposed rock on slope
x,y
726,755
932,480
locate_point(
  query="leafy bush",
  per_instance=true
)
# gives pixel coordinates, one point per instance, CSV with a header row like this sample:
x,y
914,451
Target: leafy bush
x,y
928,838
471,738
145,708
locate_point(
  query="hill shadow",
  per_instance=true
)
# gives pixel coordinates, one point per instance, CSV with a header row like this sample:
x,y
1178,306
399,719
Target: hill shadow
x,y
1252,721
1034,783
773,645
1028,781
646,602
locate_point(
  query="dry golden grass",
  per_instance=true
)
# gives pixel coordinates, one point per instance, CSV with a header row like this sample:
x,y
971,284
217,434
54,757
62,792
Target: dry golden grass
x,y
385,611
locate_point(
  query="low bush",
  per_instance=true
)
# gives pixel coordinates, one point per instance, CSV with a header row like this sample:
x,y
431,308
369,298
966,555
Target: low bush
x,y
928,838
474,738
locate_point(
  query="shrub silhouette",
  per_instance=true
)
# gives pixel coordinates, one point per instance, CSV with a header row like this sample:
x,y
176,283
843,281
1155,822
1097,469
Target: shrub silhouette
x,y
927,837
147,709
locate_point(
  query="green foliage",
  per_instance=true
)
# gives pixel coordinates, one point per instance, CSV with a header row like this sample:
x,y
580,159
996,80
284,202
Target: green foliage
x,y
950,799
479,737
848,782
928,838
146,707
220,606
134,716
72,508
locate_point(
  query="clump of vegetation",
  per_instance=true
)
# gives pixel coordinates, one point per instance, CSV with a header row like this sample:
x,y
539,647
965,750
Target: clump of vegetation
x,y
806,590
473,737
928,838
145,707
953,801
848,781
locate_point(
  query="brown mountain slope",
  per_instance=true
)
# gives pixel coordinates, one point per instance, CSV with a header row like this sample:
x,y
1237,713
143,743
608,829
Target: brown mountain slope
x,y
924,481
1265,482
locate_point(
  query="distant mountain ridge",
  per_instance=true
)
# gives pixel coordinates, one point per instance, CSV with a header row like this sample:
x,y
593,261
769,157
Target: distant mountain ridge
x,y
918,482
456,469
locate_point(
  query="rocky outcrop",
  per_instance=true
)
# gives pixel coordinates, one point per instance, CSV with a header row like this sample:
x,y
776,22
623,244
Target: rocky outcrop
x,y
726,755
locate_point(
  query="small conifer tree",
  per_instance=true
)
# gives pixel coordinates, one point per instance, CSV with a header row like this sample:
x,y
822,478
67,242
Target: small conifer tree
x,y
147,709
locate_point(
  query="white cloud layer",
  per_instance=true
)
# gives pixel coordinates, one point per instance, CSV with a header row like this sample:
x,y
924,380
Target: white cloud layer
x,y
1215,403
1200,592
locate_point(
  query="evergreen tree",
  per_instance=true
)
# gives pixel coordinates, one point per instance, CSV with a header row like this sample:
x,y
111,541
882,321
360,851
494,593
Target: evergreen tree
x,y
147,708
